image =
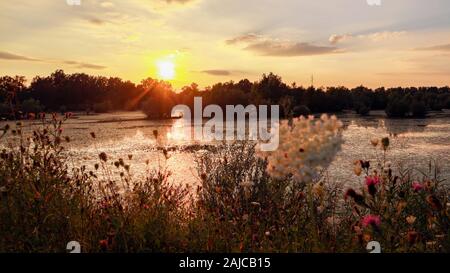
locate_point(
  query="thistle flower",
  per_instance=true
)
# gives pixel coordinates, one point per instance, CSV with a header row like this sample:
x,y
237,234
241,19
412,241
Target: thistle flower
x,y
385,143
358,198
374,141
371,182
412,237
357,169
371,220
411,219
306,146
318,189
417,186
103,244
434,202
103,156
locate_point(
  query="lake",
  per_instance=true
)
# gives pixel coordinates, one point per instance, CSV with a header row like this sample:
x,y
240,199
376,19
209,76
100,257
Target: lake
x,y
414,143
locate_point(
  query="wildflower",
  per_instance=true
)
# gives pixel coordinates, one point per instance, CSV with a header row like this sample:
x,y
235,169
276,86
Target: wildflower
x,y
306,145
365,164
411,219
130,157
417,186
93,135
117,164
412,237
371,220
357,169
96,166
203,176
401,205
318,189
358,198
67,138
104,244
320,209
3,191
155,134
429,185
371,182
374,141
333,221
434,202
103,156
166,153
6,128
385,143
37,195
246,184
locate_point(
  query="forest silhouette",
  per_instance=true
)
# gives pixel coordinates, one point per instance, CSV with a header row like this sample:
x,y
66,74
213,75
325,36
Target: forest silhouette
x,y
61,92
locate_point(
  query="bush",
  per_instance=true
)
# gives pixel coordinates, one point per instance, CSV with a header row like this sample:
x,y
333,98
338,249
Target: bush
x,y
362,109
102,107
419,109
31,106
4,109
397,108
447,104
301,110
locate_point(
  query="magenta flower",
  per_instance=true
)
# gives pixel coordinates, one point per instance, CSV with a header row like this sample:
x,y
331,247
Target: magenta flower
x,y
372,180
417,186
371,220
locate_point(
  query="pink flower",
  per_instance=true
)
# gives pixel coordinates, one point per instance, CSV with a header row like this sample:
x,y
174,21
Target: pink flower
x,y
417,186
372,180
371,220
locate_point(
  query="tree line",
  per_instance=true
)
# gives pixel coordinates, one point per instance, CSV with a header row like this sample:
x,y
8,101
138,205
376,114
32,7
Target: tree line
x,y
61,92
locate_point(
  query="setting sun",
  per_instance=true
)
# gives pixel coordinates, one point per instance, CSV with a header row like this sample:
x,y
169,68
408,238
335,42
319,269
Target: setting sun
x,y
166,69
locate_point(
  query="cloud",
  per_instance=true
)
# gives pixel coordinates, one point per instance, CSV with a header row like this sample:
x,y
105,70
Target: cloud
x,y
273,47
96,21
244,39
107,4
335,38
85,65
14,57
374,37
445,47
217,72
178,1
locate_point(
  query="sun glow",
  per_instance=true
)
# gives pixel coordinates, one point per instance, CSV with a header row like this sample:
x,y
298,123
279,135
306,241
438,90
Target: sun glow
x,y
166,69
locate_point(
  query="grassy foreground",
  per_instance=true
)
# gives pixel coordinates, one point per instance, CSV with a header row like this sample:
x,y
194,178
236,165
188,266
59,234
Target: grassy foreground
x,y
237,208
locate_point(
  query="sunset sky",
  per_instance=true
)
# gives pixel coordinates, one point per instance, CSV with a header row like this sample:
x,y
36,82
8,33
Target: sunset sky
x,y
340,42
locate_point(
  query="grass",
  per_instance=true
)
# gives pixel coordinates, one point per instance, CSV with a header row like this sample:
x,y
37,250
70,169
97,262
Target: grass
x,y
237,208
